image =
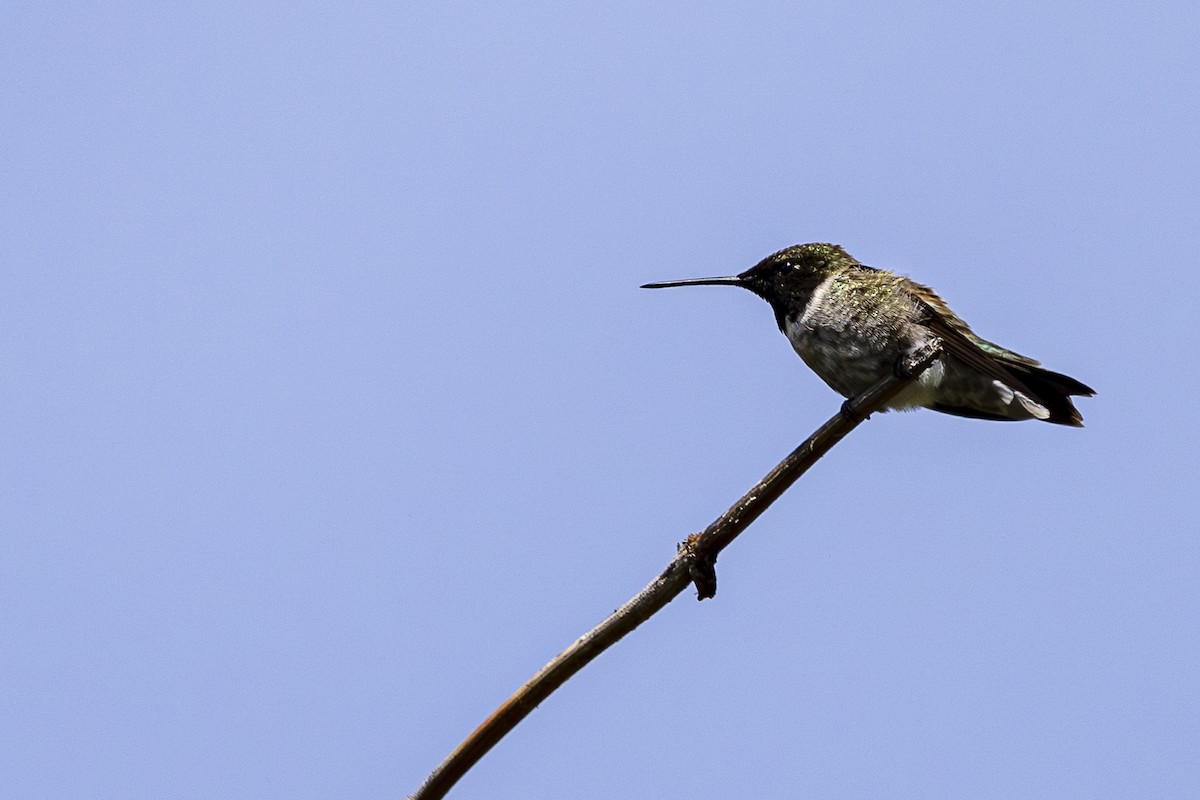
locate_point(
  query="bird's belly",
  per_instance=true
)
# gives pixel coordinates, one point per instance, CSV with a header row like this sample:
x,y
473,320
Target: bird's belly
x,y
851,358
851,363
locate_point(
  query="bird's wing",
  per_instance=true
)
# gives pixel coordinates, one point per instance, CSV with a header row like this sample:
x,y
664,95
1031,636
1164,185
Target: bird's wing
x,y
962,343
931,299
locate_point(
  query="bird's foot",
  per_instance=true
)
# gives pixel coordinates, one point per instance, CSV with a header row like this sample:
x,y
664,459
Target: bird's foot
x,y
852,414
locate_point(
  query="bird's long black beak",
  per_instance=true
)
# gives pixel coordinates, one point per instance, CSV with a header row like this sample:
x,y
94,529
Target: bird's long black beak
x,y
731,280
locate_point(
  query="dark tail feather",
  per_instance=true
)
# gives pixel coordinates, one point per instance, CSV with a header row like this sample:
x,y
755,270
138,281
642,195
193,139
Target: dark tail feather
x,y
1053,390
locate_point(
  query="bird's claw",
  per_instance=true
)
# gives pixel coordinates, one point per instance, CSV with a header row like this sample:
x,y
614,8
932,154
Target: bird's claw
x,y
849,412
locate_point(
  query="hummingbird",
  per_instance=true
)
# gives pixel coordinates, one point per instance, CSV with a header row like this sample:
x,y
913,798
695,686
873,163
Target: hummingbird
x,y
853,324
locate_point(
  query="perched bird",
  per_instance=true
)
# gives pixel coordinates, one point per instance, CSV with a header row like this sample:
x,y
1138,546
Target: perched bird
x,y
852,324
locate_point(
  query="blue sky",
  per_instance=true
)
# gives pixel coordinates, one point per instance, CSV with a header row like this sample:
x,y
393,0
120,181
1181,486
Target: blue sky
x,y
334,410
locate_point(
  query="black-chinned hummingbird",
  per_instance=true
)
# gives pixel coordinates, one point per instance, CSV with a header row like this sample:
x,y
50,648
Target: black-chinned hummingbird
x,y
852,324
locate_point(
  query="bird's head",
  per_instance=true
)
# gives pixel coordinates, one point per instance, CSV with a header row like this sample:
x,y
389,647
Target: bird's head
x,y
785,279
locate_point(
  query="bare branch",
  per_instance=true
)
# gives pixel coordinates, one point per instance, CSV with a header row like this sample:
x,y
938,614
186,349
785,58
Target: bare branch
x,y
694,563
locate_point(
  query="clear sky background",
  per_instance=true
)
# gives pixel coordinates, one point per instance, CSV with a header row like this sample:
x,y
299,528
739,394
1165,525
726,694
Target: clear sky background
x,y
332,409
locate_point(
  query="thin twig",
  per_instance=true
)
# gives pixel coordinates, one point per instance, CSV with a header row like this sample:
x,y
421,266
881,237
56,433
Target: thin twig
x,y
694,563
